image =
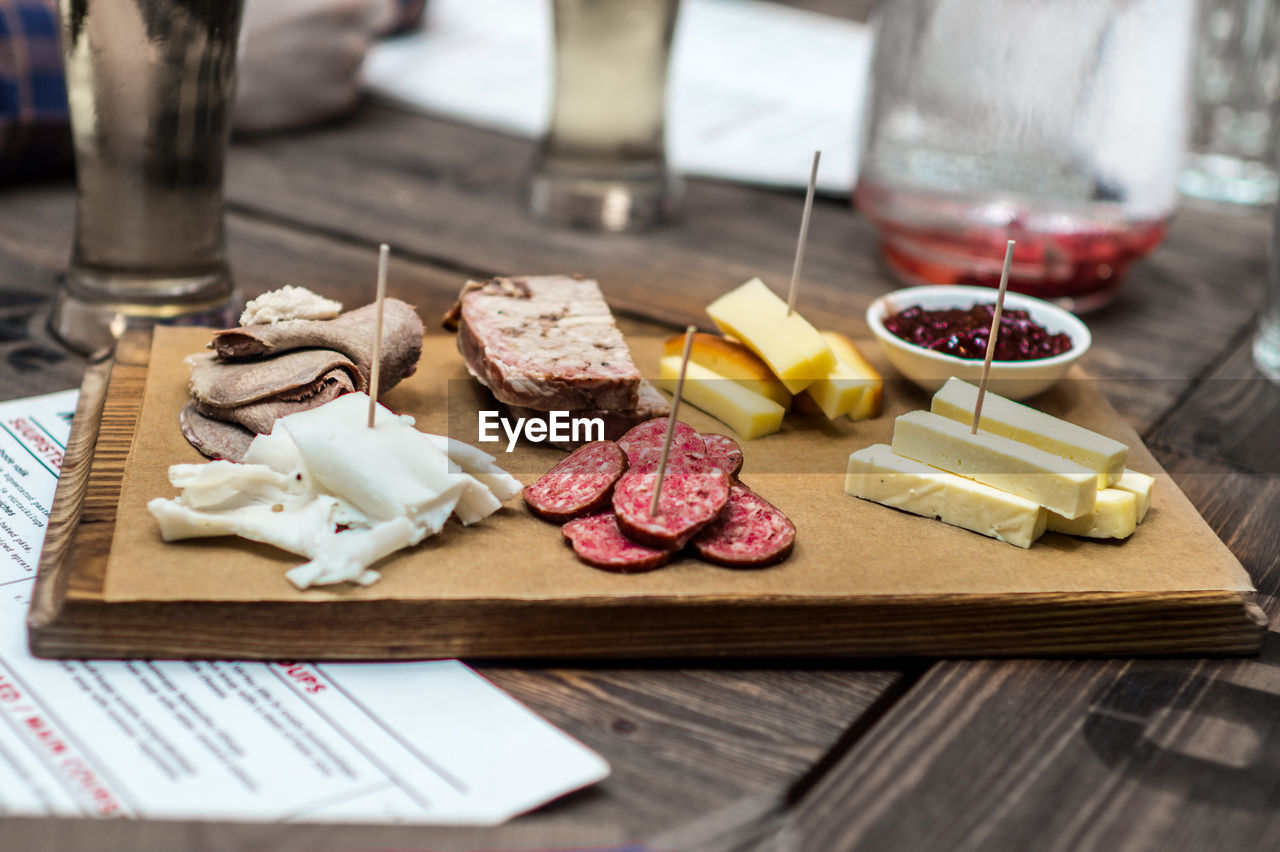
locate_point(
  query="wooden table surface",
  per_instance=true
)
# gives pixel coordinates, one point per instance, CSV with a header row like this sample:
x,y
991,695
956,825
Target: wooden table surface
x,y
793,755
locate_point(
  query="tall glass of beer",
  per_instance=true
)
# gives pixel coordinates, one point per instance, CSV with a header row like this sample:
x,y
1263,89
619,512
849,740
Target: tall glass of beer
x,y
150,86
602,162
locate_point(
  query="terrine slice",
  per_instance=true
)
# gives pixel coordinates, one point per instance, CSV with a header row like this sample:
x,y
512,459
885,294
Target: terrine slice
x,y
546,342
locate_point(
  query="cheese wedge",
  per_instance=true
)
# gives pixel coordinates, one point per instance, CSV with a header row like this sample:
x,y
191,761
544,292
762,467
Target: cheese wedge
x,y
750,414
732,360
1058,484
1139,485
1023,423
853,386
1114,515
876,473
792,348
872,402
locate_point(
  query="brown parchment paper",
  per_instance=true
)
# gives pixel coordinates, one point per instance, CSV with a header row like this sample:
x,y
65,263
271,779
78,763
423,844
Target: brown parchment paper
x,y
845,546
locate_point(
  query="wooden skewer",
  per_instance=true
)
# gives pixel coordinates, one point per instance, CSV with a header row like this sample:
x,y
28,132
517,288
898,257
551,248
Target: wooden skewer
x,y
375,370
991,338
671,420
804,235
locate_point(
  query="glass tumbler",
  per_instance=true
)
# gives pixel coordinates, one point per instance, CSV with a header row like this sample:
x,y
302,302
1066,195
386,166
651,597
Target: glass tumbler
x,y
1235,128
1266,344
602,163
150,85
1060,124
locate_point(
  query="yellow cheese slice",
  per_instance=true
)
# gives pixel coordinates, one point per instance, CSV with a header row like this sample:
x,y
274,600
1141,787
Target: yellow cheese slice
x,y
732,360
876,473
1139,485
791,347
1114,515
1023,423
853,386
746,412
1058,484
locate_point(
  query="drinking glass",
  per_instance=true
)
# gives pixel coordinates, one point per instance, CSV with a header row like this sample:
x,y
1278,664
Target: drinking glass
x,y
150,86
602,163
1266,345
1234,128
1060,124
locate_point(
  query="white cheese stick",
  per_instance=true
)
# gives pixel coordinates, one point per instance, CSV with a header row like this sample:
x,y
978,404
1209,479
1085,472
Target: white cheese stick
x,y
1022,423
1114,515
1140,486
876,473
1054,482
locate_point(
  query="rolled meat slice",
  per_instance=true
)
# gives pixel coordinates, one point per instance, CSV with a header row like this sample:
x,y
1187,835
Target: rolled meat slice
x,y
580,484
724,452
597,541
750,533
643,445
692,495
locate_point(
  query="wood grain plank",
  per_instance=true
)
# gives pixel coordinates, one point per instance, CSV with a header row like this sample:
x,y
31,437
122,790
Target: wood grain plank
x,y
1232,417
1138,754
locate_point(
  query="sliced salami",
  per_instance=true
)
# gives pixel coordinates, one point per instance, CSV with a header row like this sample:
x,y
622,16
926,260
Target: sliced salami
x,y
692,495
643,444
724,452
750,533
580,484
598,541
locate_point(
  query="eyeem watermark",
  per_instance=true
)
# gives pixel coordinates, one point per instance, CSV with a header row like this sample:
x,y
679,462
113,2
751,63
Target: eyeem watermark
x,y
558,427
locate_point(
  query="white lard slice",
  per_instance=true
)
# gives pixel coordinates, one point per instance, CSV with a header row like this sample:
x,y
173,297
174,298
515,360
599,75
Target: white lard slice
x,y
297,530
227,485
346,556
478,464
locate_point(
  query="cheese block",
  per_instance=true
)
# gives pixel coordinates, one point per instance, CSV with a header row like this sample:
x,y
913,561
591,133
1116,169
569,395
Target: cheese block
x,y
746,412
1140,485
876,473
732,360
853,386
1114,515
1058,484
794,350
1023,423
872,402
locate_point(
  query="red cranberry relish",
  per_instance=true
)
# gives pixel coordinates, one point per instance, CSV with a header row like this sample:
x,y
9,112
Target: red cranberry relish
x,y
963,333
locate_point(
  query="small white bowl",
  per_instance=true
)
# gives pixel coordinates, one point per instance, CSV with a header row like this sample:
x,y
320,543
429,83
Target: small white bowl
x,y
1012,379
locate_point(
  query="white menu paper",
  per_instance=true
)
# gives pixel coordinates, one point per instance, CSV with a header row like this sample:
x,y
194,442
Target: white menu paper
x,y
424,743
754,87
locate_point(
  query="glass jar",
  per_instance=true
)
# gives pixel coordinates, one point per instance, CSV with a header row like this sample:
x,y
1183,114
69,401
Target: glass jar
x,y
1060,124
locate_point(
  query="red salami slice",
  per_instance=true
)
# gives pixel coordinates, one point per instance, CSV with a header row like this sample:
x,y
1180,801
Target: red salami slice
x,y
598,541
750,533
692,495
643,445
579,484
724,452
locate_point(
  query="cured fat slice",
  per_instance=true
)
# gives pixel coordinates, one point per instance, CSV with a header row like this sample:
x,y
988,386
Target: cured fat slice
x,y
598,541
580,484
724,452
750,533
643,445
351,334
692,495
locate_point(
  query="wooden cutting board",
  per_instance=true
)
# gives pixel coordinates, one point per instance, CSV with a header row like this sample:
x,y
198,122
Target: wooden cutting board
x,y
864,580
